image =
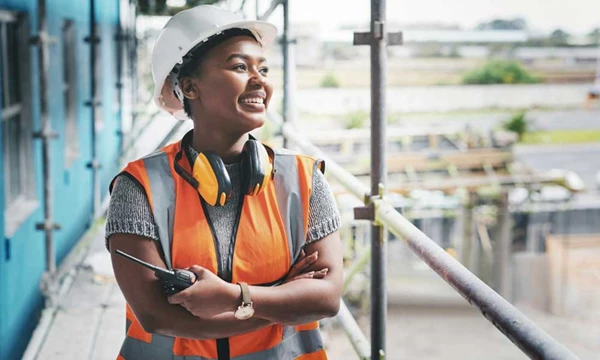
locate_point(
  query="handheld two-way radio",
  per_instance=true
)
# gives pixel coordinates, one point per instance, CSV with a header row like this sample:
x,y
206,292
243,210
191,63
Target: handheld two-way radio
x,y
173,281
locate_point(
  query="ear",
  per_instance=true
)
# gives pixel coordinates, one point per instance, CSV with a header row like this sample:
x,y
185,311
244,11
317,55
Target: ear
x,y
189,88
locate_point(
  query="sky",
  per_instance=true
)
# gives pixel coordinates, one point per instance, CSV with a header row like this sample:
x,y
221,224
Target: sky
x,y
578,17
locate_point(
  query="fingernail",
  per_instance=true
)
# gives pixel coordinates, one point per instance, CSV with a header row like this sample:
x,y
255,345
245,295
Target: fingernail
x,y
311,274
325,270
315,255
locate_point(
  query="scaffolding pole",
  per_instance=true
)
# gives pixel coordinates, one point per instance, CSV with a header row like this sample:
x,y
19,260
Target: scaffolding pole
x,y
378,39
93,40
378,175
285,44
46,134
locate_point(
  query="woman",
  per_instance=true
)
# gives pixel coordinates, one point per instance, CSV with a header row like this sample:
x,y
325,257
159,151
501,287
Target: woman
x,y
237,214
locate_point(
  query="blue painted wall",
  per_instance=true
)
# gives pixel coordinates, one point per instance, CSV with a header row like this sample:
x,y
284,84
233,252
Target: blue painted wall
x,y
3,254
23,265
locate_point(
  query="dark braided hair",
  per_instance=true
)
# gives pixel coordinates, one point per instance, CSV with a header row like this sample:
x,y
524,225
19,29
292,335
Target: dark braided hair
x,y
192,59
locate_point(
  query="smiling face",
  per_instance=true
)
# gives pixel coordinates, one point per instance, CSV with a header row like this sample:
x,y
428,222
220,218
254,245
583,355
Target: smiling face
x,y
231,92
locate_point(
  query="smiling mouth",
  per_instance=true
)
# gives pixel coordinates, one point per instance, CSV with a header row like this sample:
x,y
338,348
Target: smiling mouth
x,y
252,101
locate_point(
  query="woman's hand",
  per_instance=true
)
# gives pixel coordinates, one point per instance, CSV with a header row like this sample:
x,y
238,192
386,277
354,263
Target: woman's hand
x,y
300,270
209,296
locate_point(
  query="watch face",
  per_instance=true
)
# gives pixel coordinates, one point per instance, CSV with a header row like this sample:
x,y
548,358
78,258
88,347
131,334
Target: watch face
x,y
244,312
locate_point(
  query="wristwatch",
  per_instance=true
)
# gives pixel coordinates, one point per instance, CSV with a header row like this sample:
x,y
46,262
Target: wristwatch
x,y
246,310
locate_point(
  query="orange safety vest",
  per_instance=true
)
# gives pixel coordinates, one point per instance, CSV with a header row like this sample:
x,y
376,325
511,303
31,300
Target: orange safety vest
x,y
270,235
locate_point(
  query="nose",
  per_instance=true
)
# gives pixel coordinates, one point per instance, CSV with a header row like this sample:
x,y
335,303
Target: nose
x,y
258,79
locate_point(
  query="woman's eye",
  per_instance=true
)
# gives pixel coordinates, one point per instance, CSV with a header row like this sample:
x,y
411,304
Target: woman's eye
x,y
241,67
264,70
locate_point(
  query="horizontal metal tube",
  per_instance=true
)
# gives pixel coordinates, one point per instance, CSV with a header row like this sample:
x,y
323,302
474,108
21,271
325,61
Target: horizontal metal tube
x,y
355,186
523,332
355,334
519,329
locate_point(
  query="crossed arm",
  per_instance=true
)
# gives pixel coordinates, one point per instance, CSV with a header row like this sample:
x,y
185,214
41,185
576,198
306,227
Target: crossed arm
x,y
205,310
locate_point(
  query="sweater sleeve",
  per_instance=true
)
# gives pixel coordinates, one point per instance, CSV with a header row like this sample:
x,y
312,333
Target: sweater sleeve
x,y
129,211
324,216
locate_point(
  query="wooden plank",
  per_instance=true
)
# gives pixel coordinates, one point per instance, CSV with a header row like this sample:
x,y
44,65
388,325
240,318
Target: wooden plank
x,y
72,334
111,331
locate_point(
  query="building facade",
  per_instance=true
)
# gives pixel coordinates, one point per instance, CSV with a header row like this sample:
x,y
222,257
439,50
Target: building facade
x,y
89,97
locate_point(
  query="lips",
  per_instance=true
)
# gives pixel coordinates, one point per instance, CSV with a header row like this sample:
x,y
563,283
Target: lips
x,y
256,98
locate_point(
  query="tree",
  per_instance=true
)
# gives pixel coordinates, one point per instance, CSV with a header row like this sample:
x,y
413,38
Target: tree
x,y
559,37
594,36
518,123
503,24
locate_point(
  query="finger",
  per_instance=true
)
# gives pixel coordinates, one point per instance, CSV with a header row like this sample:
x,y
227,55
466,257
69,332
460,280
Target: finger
x,y
308,275
179,298
321,274
305,262
197,270
175,299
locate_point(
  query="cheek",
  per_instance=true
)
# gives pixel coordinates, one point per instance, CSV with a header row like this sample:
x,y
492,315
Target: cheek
x,y
269,91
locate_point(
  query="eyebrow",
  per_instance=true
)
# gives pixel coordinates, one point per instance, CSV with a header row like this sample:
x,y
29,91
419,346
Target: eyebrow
x,y
244,57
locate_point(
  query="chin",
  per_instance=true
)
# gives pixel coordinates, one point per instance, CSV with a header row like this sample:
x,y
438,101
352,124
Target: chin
x,y
254,122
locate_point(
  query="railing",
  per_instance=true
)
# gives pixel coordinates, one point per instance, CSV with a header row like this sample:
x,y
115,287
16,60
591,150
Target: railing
x,y
524,333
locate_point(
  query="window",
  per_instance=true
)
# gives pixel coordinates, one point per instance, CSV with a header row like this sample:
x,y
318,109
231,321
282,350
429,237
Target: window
x,y
16,123
69,92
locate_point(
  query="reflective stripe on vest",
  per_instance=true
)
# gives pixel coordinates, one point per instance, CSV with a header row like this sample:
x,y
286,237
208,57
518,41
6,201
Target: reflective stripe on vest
x,y
289,200
162,190
293,347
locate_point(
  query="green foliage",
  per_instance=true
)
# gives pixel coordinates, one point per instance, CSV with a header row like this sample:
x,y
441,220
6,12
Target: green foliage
x,y
518,124
559,37
330,81
500,72
356,119
503,24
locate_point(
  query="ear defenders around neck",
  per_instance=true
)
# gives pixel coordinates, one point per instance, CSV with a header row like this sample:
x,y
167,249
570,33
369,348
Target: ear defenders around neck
x,y
210,178
256,167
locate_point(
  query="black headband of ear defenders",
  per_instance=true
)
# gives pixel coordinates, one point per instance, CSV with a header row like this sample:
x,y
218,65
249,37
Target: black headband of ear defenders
x,y
185,147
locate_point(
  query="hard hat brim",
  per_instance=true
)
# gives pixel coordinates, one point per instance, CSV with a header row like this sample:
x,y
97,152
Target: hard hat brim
x,y
265,33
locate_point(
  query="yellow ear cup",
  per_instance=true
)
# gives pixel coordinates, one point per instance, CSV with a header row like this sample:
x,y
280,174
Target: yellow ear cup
x,y
214,184
257,167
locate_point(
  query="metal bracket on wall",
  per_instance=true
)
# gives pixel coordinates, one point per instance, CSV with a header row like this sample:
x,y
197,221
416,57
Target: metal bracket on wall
x,y
92,40
122,37
45,135
94,164
366,38
42,38
93,103
44,226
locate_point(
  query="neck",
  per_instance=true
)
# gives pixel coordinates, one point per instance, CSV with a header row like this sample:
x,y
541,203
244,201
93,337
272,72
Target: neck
x,y
228,147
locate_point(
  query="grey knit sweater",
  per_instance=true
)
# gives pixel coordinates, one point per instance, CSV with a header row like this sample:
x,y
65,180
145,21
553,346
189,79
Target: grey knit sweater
x,y
129,212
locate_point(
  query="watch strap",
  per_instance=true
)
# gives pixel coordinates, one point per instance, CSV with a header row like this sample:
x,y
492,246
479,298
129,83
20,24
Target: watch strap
x,y
245,293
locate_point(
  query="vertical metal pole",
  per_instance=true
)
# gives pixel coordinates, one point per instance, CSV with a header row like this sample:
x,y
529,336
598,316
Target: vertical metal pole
x,y
378,177
94,104
121,38
45,135
503,248
286,65
467,230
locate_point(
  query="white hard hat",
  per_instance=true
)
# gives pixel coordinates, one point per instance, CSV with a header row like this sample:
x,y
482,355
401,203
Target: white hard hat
x,y
181,34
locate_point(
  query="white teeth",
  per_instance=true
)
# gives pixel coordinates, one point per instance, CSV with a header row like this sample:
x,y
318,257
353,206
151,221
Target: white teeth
x,y
252,101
